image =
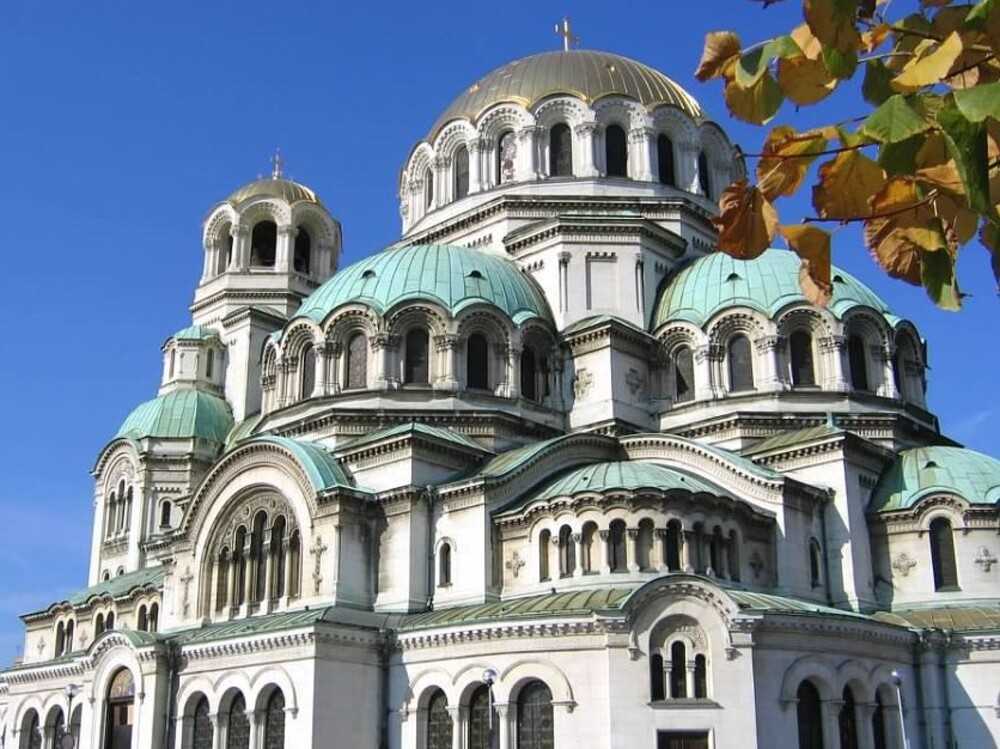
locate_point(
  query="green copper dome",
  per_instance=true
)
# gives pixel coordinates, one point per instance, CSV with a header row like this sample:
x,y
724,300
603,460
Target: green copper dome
x,y
767,283
454,277
928,470
181,414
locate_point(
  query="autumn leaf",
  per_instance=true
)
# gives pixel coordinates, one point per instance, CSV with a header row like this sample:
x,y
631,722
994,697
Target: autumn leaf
x,y
786,158
876,87
937,273
722,49
959,222
805,81
893,121
832,22
873,38
893,236
846,183
812,245
746,221
756,104
930,66
944,176
810,46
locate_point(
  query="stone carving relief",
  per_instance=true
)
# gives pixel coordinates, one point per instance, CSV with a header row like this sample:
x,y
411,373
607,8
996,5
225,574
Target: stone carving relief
x,y
515,563
903,563
582,383
984,559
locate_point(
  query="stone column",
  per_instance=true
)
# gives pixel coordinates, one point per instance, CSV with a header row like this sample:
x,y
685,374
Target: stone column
x,y
448,381
241,247
830,709
514,372
210,260
286,241
769,350
527,153
578,554
689,679
230,586
833,349
564,258
863,714
323,351
269,589
685,539
333,373
504,719
256,724
213,590
705,387
723,572
216,730
585,137
687,169
442,185
475,147
288,568
640,140
660,547
605,536
632,548
882,356
383,345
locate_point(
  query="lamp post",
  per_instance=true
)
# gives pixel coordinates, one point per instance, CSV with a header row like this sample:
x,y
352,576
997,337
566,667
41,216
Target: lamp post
x,y
489,679
68,740
897,680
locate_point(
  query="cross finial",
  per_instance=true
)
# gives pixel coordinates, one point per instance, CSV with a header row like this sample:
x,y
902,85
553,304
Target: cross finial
x,y
277,164
566,32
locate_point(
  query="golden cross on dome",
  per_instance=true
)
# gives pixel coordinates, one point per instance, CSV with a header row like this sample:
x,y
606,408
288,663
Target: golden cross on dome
x,y
277,164
566,32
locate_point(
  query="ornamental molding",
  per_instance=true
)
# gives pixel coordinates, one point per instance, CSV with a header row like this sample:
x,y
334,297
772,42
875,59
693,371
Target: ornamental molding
x,y
436,638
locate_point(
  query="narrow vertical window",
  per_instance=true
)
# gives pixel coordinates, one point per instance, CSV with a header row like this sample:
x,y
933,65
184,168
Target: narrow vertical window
x,y
847,721
274,721
439,724
165,510
616,151
544,541
704,179
619,560
461,167
70,627
815,564
416,364
803,373
278,557
154,617
656,683
477,362
858,362
567,552
238,728
560,151
809,716
173,362
506,158
529,375
209,363
483,726
258,557
308,366
943,555
700,677
683,375
678,671
222,583
60,639
142,623
444,565
203,734
535,728
263,244
356,367
740,362
240,563
428,188
674,545
665,160
294,565
878,723
302,255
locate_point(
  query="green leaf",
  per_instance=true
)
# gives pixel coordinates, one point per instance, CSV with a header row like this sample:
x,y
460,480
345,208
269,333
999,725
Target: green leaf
x,y
901,158
979,102
967,146
753,63
841,64
876,88
937,272
894,121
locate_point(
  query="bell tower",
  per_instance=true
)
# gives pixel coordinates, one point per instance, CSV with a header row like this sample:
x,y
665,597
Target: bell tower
x,y
267,246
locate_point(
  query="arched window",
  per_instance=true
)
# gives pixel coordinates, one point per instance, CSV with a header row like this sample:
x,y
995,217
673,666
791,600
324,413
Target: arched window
x,y
815,564
529,375
58,729
74,723
356,366
238,725
567,552
704,179
109,622
482,726
428,189
31,731
616,549
809,716
683,375
943,555
70,632
106,576
878,723
99,625
587,542
700,677
439,726
560,151
656,680
302,256
734,556
674,545
240,563
847,721
274,721
141,620
506,157
678,671
263,244
60,639
258,557
858,362
477,362
665,160
295,565
165,510
415,370
616,151
308,365
154,617
203,736
544,541
209,363
278,557
740,364
222,584
461,166
535,728
803,372
120,711
444,565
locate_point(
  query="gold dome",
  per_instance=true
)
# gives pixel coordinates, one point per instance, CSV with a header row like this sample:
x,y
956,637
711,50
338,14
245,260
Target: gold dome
x,y
274,187
587,74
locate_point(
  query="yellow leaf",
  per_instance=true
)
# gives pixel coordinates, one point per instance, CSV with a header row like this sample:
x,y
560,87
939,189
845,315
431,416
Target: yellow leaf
x,y
757,103
805,81
722,49
811,47
832,22
872,40
959,222
893,238
928,67
786,158
812,245
944,176
746,221
846,183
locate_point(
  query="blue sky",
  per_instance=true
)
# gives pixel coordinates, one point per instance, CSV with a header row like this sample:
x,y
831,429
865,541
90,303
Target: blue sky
x,y
122,123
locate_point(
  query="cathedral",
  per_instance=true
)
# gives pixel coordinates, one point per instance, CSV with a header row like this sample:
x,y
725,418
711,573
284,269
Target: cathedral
x,y
548,472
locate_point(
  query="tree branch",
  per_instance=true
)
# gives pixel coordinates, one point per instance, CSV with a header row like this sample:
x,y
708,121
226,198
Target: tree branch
x,y
887,214
827,152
